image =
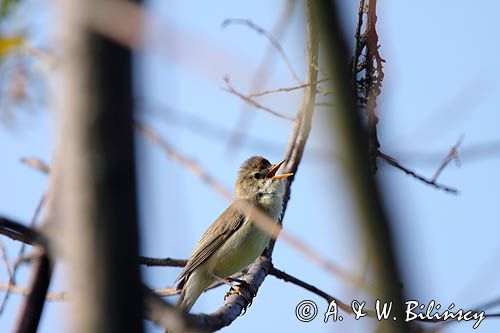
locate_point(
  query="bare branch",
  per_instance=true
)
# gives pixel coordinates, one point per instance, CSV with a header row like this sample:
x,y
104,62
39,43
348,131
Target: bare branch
x,y
260,76
189,163
471,152
274,42
263,221
19,232
206,128
288,278
412,173
285,89
9,273
452,155
252,102
5,260
36,163
31,309
63,296
359,41
162,262
56,297
34,218
369,85
169,262
163,313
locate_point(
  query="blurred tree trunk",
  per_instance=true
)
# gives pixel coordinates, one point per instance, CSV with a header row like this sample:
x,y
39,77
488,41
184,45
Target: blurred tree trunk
x,y
352,135
96,199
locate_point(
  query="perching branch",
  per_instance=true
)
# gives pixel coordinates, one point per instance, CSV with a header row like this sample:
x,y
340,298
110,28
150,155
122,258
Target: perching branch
x,y
170,262
31,236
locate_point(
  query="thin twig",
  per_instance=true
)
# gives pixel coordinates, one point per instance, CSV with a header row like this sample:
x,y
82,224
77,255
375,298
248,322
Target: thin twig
x,y
358,37
471,152
189,163
260,77
36,163
252,102
206,128
369,85
412,173
452,155
9,273
57,297
63,296
325,104
289,278
274,42
5,260
285,89
34,218
146,261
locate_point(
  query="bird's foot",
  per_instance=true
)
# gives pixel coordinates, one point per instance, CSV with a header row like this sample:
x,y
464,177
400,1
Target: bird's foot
x,y
237,290
244,284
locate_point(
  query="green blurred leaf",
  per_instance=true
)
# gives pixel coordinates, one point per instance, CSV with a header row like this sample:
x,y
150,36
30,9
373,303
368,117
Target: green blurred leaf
x,y
6,4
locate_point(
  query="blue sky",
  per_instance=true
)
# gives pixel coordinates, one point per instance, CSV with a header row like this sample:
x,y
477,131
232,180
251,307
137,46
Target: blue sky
x,y
440,83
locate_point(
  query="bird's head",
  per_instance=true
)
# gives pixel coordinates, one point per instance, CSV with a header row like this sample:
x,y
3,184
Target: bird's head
x,y
258,180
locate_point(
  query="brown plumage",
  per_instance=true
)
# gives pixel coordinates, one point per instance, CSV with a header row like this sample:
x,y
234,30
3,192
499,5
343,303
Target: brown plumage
x,y
233,242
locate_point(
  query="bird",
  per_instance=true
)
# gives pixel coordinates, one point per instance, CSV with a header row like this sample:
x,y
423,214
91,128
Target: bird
x,y
233,241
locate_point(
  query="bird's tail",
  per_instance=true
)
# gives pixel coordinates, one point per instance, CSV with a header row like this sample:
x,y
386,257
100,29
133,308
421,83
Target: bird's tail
x,y
192,288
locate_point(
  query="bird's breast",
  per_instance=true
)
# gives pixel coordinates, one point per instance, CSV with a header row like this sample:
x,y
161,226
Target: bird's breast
x,y
241,249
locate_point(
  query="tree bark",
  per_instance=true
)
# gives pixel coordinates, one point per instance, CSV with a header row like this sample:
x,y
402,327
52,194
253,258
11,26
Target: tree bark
x,y
96,200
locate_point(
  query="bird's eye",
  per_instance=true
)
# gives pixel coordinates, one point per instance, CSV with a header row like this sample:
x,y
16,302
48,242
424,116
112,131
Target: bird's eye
x,y
257,175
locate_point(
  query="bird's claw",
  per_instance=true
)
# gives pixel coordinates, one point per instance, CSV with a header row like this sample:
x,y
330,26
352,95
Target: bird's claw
x,y
236,290
244,284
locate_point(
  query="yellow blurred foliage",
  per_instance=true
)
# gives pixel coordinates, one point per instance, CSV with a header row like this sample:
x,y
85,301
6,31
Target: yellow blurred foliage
x,y
7,44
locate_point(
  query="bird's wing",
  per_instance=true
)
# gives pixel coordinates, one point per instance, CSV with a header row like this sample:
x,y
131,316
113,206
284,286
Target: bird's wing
x,y
212,239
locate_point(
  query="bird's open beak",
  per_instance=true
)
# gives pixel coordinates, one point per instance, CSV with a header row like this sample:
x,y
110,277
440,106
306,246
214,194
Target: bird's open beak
x,y
272,173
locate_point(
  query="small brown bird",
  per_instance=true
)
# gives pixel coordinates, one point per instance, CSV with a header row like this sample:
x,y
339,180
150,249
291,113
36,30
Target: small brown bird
x,y
233,241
